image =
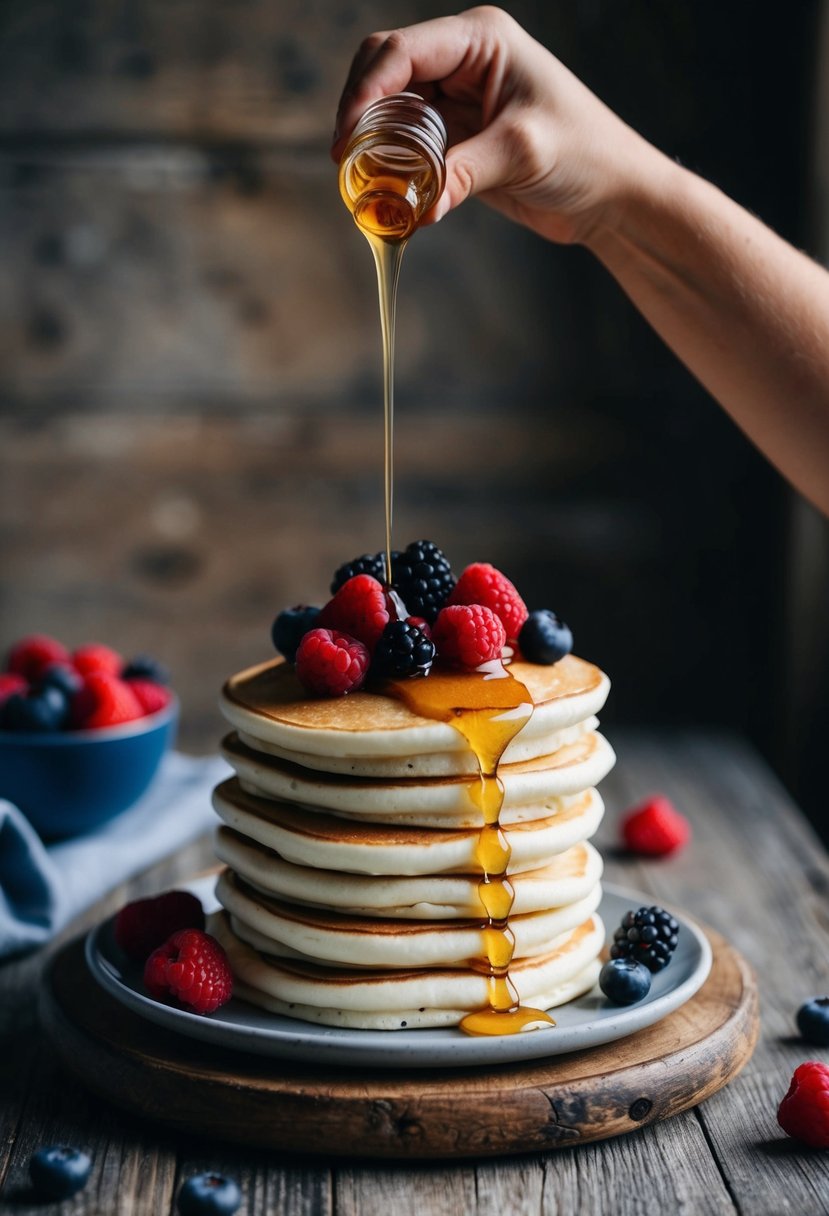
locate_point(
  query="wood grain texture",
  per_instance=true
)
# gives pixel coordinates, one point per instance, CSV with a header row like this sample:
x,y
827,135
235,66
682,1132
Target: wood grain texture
x,y
383,1113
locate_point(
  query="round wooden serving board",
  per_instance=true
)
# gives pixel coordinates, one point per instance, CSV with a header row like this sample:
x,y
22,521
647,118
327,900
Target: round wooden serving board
x,y
469,1112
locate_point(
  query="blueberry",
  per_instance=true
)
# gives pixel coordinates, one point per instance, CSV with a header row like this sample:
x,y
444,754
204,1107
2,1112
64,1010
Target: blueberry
x,y
45,709
813,1021
290,627
144,667
61,676
544,638
209,1195
59,1171
624,981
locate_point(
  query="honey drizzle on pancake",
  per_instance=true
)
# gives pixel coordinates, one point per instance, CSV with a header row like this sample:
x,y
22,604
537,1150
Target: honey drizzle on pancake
x,y
488,707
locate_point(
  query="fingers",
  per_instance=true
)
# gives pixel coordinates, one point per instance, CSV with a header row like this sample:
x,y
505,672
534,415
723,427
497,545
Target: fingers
x,y
395,61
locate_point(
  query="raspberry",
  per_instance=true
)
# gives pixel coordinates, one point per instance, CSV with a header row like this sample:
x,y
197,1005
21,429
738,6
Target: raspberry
x,y
423,578
648,936
150,696
403,650
481,583
330,663
31,654
11,682
145,924
104,700
804,1112
468,634
655,828
370,563
95,657
360,609
191,968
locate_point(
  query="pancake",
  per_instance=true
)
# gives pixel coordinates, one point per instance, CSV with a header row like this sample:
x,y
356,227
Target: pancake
x,y
353,941
400,999
571,769
268,703
570,876
432,764
352,832
313,838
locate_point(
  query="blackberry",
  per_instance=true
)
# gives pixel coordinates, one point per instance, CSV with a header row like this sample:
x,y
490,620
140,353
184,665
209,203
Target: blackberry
x,y
373,564
423,578
647,936
403,650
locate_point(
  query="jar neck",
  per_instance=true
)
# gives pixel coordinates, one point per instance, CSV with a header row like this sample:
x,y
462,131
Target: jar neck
x,y
410,114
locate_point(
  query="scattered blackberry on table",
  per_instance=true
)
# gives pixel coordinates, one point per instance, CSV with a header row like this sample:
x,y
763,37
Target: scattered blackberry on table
x,y
647,936
145,667
544,639
403,650
813,1021
423,578
209,1195
370,563
624,981
59,1171
291,626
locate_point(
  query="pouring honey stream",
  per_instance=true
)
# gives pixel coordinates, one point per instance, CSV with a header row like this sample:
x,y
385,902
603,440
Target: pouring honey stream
x,y
391,173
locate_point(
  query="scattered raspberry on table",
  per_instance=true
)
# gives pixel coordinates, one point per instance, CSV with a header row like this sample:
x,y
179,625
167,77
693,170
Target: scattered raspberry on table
x,y
655,829
804,1112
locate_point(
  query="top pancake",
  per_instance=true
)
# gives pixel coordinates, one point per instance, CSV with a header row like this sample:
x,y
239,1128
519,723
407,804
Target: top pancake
x,y
268,703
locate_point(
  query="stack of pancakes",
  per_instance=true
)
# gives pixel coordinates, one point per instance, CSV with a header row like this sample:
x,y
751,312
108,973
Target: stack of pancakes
x,y
351,894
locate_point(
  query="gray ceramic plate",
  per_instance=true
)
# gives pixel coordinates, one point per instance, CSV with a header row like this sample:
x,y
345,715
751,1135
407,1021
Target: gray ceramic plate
x,y
586,1022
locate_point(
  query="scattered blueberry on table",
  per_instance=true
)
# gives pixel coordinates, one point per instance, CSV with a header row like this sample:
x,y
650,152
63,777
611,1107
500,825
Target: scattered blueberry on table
x,y
59,1171
209,1195
813,1021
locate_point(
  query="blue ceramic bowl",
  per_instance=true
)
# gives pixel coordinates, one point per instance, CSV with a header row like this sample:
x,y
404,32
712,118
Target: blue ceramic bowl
x,y
70,782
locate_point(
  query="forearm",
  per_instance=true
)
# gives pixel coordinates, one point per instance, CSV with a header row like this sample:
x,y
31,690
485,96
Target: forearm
x,y
746,312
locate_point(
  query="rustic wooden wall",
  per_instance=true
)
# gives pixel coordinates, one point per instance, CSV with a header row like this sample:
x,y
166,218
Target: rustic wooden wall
x,y
190,420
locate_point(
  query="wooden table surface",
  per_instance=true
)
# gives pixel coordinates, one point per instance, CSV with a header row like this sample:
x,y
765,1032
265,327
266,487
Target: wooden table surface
x,y
754,871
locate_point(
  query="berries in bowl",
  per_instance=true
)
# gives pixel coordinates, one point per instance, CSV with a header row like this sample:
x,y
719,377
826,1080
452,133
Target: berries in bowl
x,y
82,733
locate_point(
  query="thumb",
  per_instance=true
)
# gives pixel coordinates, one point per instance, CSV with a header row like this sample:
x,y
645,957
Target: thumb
x,y
482,162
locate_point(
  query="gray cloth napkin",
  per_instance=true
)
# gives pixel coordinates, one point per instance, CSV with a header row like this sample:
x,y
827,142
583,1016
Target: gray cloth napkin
x,y
42,887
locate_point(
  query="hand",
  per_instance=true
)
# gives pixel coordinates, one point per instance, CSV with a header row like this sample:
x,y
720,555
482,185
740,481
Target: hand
x,y
525,135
